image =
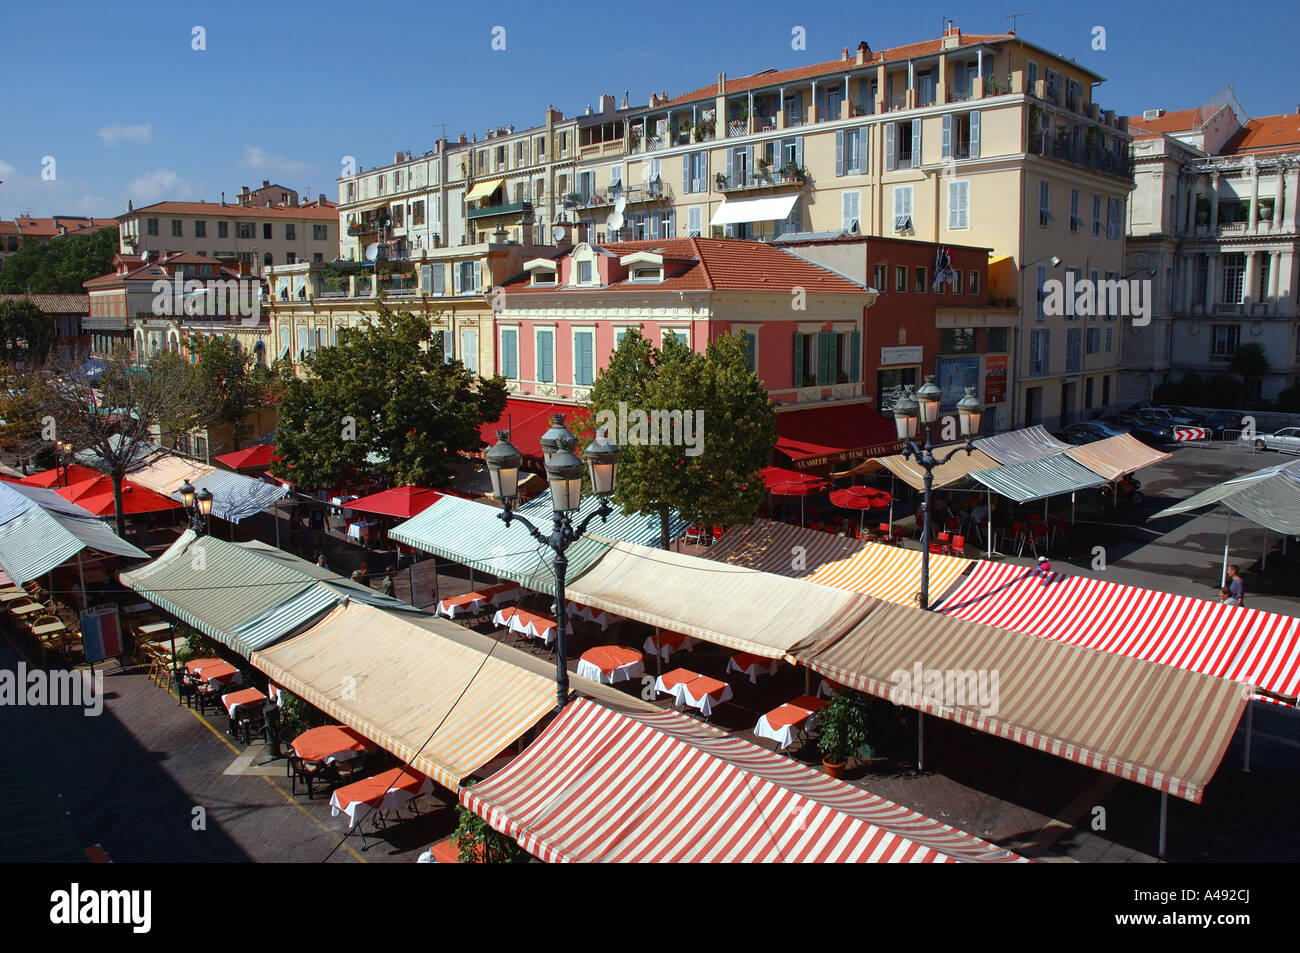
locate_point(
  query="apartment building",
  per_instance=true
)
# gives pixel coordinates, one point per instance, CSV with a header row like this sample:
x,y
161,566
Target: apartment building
x,y
66,312
258,236
35,231
1216,217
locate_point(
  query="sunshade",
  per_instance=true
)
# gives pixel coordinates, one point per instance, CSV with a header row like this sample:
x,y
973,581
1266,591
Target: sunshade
x,y
244,595
34,540
797,488
1038,479
1262,648
483,189
775,475
1269,497
61,476
892,573
1117,456
735,211
739,608
1021,446
860,498
403,501
260,457
601,785
954,472
96,495
442,707
1159,726
816,437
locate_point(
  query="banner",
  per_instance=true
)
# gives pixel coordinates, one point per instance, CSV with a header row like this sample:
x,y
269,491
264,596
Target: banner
x,y
954,375
995,379
101,633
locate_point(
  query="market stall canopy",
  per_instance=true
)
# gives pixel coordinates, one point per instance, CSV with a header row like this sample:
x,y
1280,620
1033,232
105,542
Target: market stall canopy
x,y
1225,641
1021,446
442,707
1038,479
772,476
527,420
258,457
403,501
96,495
820,437
34,540
1159,726
244,595
1268,497
49,499
60,476
739,608
892,573
608,786
1115,457
954,472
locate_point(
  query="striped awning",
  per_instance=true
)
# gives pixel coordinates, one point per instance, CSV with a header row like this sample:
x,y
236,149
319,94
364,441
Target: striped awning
x,y
1268,497
739,608
1159,726
892,573
1021,446
34,540
1039,479
954,472
483,189
614,787
442,707
1117,456
1230,642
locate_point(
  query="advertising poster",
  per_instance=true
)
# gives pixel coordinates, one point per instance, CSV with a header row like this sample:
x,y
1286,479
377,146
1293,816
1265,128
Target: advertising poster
x,y
995,379
954,375
101,633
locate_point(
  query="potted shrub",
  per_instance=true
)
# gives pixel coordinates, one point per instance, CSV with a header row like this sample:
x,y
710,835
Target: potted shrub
x,y
1266,210
477,843
720,180
842,730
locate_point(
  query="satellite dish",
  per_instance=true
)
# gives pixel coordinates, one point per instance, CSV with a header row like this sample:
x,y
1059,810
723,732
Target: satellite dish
x,y
615,221
620,204
558,233
372,251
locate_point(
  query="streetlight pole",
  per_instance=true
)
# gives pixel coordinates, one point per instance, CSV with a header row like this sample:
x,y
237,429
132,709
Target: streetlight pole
x,y
564,474
923,407
198,506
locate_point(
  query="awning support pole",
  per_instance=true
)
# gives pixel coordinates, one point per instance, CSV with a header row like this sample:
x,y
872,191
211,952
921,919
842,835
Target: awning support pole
x,y
1072,501
920,740
892,490
85,596
1250,729
988,525
1263,559
275,515
1227,535
1164,816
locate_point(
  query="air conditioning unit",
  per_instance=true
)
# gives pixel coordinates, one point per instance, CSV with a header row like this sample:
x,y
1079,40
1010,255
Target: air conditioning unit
x,y
1152,113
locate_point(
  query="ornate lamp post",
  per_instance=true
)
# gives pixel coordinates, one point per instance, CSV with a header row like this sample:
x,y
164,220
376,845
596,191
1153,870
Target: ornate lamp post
x,y
923,408
564,474
197,505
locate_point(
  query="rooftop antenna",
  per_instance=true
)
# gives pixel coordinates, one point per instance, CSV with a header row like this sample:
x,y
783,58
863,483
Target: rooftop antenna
x,y
1012,17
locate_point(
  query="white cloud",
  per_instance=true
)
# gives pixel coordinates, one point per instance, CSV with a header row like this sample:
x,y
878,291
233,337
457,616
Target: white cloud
x,y
7,172
164,184
255,157
115,133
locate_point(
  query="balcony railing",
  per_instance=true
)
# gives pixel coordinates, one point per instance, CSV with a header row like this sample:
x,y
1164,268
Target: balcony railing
x,y
655,143
760,180
737,127
656,191
1098,161
510,208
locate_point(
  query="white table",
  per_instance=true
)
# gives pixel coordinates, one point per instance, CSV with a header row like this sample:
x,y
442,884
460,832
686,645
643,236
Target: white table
x,y
754,667
359,808
633,668
526,623
361,531
705,702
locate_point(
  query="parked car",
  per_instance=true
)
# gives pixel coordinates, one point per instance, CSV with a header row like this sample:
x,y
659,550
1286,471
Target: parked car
x,y
1180,415
1168,416
1086,432
1144,429
1286,440
1221,420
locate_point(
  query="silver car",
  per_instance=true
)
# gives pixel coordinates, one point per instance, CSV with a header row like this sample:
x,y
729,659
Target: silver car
x,y
1286,440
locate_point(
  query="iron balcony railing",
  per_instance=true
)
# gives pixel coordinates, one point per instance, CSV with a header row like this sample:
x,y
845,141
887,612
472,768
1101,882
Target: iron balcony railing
x,y
760,180
509,208
1094,159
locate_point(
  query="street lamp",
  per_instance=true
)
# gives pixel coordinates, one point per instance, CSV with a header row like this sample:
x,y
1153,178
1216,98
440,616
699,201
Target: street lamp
x,y
923,408
197,505
64,458
564,474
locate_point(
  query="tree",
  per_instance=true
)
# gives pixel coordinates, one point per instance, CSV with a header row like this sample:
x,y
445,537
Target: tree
x,y
26,333
382,401
1250,363
59,266
116,418
231,384
698,429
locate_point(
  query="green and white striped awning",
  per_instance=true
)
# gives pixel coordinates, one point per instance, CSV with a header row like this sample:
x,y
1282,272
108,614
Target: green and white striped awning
x,y
1038,479
36,541
1268,497
244,595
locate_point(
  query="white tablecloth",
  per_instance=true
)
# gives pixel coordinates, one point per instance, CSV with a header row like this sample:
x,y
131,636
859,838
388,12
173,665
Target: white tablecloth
x,y
524,626
678,691
784,737
464,608
705,703
358,811
665,652
766,667
599,616
621,674
355,531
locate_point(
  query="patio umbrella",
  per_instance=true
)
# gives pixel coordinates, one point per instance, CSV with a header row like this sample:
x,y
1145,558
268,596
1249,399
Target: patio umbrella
x,y
260,457
800,489
60,476
403,501
774,475
860,498
97,496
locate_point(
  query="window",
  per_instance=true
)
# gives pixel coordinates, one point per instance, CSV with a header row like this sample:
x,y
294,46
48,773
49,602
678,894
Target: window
x,y
1073,94
544,276
1044,203
851,152
397,180
564,144
900,278
205,269
1110,343
850,211
151,226
318,258
1041,281
200,228
1073,355
1224,339
902,208
223,229
694,221
902,145
500,158
1094,340
510,353
266,231
1261,293
246,229
482,165
694,175
959,204
973,285
320,233
881,282
956,281
995,339
1234,279
1114,219
584,272
920,280
616,179
291,231
469,349
751,350
675,333
805,360
956,341
1053,84
521,148
1031,77
1075,221
1039,361
176,228
961,135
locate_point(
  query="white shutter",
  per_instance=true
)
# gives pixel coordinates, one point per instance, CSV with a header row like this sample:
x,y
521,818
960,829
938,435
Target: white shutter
x,y
694,215
478,276
839,152
916,143
975,134
947,136
455,277
891,146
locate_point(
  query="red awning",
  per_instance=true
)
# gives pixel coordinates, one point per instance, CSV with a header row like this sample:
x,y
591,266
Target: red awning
x,y
260,456
97,496
404,501
824,436
774,475
60,476
527,420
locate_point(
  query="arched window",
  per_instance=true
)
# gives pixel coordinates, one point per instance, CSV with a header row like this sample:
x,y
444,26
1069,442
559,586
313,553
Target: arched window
x,y
259,352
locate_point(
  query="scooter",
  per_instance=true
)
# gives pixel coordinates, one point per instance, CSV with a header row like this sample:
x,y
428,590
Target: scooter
x,y
1126,490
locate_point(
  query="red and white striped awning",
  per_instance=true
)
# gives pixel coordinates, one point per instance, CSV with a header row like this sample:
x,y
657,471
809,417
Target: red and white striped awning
x,y
1247,645
601,785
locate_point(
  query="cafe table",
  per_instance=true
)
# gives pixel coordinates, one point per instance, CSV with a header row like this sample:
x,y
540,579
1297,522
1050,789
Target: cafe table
x,y
751,666
329,743
532,624
245,696
384,792
783,725
608,664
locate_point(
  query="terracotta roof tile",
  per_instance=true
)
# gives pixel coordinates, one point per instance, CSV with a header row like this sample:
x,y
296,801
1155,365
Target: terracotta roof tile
x,y
55,303
217,210
1266,134
1183,120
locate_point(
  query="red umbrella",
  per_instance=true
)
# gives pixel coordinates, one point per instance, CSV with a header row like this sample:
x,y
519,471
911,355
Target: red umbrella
x,y
799,488
260,456
97,496
775,475
861,498
404,501
60,476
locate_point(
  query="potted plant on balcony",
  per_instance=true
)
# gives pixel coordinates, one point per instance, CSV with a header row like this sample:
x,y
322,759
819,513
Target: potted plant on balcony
x,y
704,130
794,172
720,180
1266,210
684,132
634,139
764,168
842,728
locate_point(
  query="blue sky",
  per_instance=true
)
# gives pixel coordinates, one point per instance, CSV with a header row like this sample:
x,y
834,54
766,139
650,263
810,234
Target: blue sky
x,y
127,109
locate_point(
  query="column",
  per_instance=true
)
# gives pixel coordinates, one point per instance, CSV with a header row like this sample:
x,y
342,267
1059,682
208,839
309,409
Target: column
x,y
1211,293
780,108
1282,207
813,112
1249,282
1254,197
1189,283
941,86
911,85
1214,203
1274,272
881,104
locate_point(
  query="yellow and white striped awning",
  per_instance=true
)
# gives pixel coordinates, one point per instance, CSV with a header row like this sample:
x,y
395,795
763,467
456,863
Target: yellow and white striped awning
x,y
401,685
483,189
891,573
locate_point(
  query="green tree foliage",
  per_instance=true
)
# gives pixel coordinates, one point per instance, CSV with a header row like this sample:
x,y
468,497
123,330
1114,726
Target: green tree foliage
x,y
231,384
382,402
27,334
1250,363
59,266
720,485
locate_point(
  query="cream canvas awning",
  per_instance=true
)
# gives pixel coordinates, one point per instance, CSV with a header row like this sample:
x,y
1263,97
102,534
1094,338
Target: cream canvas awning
x,y
483,189
1115,457
955,471
736,211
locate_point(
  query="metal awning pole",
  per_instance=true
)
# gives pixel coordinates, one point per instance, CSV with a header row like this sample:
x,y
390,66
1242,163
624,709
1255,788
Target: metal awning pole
x,y
892,490
1263,559
81,571
1164,816
1072,502
275,514
1250,729
1227,535
988,525
920,740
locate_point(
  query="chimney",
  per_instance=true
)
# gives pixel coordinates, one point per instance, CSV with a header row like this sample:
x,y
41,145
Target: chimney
x,y
266,183
844,56
526,233
589,112
223,199
500,235
625,92
606,103
321,201
722,84
864,52
130,206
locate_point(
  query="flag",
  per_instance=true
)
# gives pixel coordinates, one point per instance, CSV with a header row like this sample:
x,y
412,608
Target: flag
x,y
943,270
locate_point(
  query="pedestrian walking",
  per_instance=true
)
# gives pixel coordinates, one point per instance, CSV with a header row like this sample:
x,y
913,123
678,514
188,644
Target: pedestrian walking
x,y
1226,597
361,575
1237,586
320,561
386,587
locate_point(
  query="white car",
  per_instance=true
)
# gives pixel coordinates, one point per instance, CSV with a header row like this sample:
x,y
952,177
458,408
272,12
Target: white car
x,y
1286,440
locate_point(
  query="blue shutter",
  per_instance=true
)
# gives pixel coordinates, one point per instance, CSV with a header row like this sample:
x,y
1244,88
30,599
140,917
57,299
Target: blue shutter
x,y
798,151
947,136
686,172
730,164
916,143
863,133
798,359
839,151
855,356
426,279
975,134
891,146
546,357
455,277
478,276
582,358
510,354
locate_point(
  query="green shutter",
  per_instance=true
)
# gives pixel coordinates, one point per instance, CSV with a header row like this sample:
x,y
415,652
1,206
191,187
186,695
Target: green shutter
x,y
826,358
855,356
798,359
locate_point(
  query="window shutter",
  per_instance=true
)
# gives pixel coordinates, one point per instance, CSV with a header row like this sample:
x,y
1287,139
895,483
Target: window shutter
x,y
975,134
947,136
751,345
839,151
855,356
448,347
455,277
749,160
439,278
863,134
686,172
509,354
548,355
826,358
798,151
846,209
916,143
730,156
891,146
426,278
798,359
478,276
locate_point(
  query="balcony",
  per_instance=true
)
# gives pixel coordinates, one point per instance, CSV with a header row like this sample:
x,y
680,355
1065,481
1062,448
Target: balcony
x,y
1093,159
737,127
367,227
656,143
510,208
774,178
655,191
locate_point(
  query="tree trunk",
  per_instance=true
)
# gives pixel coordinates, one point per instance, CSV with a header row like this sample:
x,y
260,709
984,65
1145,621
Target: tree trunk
x,y
118,507
664,541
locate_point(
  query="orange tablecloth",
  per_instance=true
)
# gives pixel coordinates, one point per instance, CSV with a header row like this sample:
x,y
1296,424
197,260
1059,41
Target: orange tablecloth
x,y
704,685
795,712
329,743
678,676
246,696
195,666
532,624
609,657
371,791
220,674
751,665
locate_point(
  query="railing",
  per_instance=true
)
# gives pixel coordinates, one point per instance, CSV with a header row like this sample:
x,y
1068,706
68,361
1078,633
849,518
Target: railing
x,y
1098,161
737,127
506,209
395,287
761,180
961,150
654,144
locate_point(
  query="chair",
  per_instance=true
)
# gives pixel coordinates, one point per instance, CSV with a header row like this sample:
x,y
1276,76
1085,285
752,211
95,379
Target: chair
x,y
310,773
185,689
1019,538
958,546
952,524
248,720
1039,533
938,549
896,537
694,535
